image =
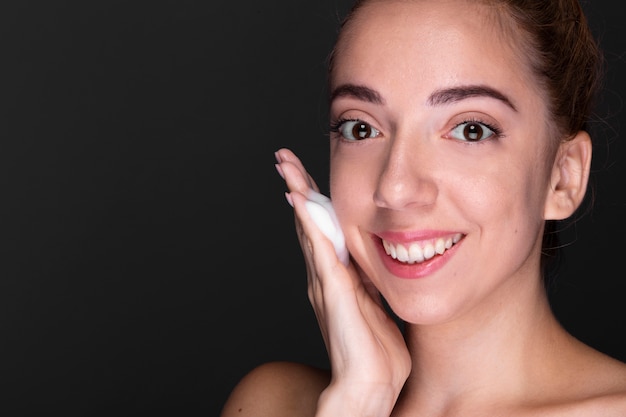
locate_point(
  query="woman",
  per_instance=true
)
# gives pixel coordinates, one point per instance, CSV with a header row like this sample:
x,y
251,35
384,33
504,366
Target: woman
x,y
457,139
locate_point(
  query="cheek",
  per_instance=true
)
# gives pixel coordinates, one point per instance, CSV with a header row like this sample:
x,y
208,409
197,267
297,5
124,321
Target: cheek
x,y
351,193
347,195
512,191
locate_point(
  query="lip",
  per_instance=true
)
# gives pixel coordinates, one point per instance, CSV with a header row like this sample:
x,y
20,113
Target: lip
x,y
417,270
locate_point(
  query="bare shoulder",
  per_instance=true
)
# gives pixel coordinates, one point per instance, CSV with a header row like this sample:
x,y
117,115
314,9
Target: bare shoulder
x,y
602,388
610,404
611,401
277,389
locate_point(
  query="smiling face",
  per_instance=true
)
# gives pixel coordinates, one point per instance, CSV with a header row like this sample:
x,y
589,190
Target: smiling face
x,y
440,157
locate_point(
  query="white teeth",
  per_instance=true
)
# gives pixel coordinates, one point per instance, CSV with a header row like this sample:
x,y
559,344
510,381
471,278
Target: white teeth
x,y
429,251
402,254
440,246
417,253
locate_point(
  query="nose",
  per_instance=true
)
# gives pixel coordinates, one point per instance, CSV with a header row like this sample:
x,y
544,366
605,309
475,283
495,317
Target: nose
x,y
407,179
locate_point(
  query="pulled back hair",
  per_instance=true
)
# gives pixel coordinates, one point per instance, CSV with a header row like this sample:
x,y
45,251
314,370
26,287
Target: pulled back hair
x,y
565,60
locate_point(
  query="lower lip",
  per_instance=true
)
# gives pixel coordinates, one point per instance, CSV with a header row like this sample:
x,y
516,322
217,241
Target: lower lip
x,y
416,270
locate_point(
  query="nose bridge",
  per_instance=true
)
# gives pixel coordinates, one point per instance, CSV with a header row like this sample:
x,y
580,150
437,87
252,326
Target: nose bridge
x,y
407,178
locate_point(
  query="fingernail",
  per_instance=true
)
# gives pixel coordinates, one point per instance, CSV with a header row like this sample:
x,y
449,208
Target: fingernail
x,y
280,171
289,200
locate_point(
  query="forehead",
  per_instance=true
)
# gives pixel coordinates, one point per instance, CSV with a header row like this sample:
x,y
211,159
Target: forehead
x,y
434,43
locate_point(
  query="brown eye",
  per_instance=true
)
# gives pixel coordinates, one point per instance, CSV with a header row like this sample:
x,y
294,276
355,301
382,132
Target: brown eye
x,y
361,130
473,131
357,130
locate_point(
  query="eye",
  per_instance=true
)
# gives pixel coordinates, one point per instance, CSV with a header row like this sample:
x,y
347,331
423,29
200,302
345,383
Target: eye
x,y
473,131
354,129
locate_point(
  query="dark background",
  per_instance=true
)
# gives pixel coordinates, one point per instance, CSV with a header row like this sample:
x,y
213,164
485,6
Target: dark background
x,y
148,254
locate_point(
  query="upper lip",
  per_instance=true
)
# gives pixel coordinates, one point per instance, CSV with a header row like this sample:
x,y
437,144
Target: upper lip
x,y
418,247
409,237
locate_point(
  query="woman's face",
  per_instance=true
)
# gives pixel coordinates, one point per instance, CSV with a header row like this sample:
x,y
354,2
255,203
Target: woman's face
x,y
439,146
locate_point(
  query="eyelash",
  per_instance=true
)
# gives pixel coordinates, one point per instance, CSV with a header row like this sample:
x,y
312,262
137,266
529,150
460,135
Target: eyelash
x,y
336,125
497,131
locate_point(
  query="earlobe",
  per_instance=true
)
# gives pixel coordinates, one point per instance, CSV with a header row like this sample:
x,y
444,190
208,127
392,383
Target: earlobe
x,y
570,175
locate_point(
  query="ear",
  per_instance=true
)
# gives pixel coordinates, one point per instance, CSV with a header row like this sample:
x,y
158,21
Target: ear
x,y
570,175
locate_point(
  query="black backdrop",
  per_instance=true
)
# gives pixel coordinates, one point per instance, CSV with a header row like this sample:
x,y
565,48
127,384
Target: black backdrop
x,y
148,255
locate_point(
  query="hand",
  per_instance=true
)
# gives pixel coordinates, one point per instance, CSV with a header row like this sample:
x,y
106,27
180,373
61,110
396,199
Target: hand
x,y
369,358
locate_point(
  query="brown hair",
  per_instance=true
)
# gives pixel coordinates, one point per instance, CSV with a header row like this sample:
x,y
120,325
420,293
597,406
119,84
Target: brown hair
x,y
564,57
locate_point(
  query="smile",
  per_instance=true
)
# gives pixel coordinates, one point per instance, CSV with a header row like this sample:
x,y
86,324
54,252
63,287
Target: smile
x,y
417,252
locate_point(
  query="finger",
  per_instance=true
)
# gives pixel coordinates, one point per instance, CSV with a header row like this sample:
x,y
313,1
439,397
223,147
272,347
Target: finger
x,y
373,292
293,172
318,247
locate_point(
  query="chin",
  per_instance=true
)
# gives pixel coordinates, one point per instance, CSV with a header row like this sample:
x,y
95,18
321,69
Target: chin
x,y
423,312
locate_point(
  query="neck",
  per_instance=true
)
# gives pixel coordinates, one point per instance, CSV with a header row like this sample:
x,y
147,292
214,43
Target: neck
x,y
484,356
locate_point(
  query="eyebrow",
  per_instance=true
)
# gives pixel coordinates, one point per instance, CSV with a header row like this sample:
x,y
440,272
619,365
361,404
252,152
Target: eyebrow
x,y
454,94
439,97
357,91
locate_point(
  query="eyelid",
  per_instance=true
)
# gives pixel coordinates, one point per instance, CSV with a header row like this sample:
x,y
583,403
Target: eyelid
x,y
478,118
480,134
346,113
338,124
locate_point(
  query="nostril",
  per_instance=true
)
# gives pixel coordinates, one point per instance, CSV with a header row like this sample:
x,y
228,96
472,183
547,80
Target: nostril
x,y
405,193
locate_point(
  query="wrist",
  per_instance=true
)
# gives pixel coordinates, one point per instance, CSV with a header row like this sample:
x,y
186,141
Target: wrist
x,y
352,402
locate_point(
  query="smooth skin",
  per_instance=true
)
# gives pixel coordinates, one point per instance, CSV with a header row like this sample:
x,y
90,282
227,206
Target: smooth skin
x,y
480,338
